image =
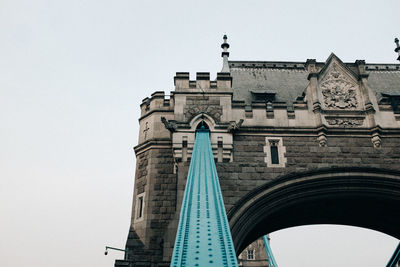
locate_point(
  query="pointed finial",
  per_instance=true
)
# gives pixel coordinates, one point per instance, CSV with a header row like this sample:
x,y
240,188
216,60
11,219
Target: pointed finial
x,y
225,46
225,55
397,49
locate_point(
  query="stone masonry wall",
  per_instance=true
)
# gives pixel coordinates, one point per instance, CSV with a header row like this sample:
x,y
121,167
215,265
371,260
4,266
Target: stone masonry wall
x,y
249,170
154,175
162,199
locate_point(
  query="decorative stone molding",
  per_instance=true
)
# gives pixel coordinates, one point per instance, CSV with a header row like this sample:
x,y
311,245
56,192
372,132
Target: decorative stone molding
x,y
316,107
214,111
233,125
345,122
202,104
338,91
376,140
322,140
221,139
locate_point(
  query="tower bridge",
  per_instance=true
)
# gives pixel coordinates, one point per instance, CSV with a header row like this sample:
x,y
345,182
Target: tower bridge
x,y
287,144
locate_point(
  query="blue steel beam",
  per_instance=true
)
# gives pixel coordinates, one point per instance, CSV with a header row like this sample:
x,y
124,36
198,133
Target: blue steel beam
x,y
203,237
270,256
395,258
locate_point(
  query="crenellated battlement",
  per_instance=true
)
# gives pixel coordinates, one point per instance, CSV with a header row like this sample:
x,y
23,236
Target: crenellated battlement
x,y
152,109
223,82
158,101
329,96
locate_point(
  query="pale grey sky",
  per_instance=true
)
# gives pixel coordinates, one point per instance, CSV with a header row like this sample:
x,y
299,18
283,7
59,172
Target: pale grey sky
x,y
72,76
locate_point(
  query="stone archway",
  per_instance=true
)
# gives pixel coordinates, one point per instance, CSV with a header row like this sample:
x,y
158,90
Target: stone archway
x,y
363,197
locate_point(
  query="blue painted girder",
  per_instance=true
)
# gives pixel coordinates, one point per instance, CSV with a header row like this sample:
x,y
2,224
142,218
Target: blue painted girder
x,y
395,257
203,237
270,256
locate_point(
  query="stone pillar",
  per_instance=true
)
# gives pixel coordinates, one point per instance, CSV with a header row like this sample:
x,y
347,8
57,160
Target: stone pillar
x,y
369,107
313,99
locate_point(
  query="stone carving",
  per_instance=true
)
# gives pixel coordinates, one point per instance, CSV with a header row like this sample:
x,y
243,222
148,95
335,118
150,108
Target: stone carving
x,y
233,126
345,122
170,125
376,140
202,104
322,140
146,129
338,91
213,111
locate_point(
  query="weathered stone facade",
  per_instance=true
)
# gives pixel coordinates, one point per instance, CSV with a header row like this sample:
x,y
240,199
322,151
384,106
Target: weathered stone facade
x,y
271,123
254,255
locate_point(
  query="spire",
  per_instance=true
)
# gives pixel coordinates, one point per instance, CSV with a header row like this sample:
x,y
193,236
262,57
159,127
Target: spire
x,y
397,50
225,55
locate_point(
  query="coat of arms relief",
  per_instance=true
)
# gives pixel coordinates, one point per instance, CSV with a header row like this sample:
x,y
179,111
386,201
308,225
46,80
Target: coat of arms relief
x,y
338,91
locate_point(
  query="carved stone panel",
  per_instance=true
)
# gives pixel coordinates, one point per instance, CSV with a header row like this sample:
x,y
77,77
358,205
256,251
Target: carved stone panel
x,y
345,122
338,90
198,104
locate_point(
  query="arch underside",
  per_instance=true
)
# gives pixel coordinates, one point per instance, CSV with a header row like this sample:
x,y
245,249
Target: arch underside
x,y
368,198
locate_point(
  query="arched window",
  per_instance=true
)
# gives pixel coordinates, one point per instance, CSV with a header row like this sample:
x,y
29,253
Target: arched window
x,y
202,123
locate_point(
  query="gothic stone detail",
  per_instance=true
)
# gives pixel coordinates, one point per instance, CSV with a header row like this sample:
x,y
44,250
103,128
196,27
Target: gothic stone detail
x,y
376,140
170,125
246,172
233,125
345,122
322,140
206,104
337,90
221,144
161,177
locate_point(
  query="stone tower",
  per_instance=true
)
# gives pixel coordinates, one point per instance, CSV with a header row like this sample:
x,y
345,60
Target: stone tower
x,y
294,143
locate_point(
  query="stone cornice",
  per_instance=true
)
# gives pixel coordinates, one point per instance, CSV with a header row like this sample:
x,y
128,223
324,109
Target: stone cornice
x,y
151,144
302,65
329,131
197,92
155,111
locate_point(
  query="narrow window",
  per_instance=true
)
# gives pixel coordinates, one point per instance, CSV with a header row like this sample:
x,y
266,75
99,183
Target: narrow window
x,y
274,152
140,208
220,149
184,148
250,254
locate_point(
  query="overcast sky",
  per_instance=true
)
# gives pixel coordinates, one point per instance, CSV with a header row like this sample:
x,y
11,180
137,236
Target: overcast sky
x,y
72,76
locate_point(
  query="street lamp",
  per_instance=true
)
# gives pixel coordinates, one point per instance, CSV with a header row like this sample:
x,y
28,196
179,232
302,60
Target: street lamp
x,y
119,249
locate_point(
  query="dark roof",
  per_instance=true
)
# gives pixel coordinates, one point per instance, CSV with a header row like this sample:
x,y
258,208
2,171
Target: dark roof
x,y
288,82
289,79
385,82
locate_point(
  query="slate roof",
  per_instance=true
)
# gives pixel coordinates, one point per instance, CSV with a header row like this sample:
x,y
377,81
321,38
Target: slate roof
x,y
289,79
385,82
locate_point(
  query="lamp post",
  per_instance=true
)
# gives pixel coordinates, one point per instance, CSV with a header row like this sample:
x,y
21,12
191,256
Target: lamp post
x,y
118,249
